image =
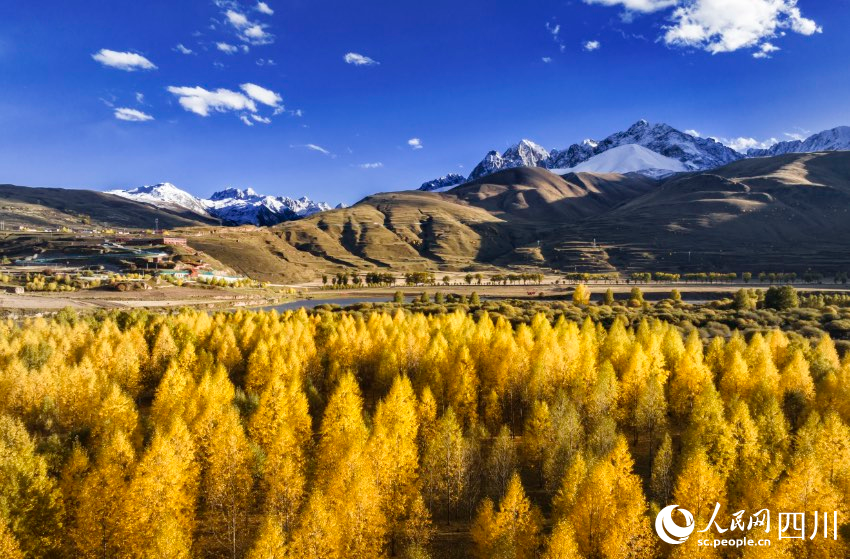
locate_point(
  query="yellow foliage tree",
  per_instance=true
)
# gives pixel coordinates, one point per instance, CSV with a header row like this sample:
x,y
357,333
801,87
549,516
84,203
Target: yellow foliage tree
x,y
158,515
97,529
511,532
29,497
609,510
562,543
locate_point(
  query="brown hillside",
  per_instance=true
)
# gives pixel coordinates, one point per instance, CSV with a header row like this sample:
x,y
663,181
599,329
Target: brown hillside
x,y
539,196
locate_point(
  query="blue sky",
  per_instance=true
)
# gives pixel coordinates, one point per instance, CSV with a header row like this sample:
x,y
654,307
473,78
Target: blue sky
x,y
99,95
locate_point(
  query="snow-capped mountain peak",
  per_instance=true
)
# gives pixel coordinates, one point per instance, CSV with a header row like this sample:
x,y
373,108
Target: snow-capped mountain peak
x,y
164,194
233,206
837,139
696,154
443,183
524,154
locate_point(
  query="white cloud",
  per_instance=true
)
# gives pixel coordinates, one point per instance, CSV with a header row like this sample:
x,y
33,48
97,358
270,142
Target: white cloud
x,y
261,94
743,144
226,48
693,133
728,25
377,165
131,115
765,50
266,62
201,101
257,35
140,98
723,25
248,31
359,59
415,143
245,120
591,46
546,60
320,149
645,6
264,8
127,61
262,119
797,135
236,19
182,49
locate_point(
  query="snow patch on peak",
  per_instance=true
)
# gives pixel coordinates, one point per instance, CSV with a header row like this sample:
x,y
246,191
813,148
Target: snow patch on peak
x,y
629,158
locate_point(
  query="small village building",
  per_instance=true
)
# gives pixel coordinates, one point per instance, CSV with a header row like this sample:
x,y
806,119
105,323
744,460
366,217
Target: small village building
x,y
174,241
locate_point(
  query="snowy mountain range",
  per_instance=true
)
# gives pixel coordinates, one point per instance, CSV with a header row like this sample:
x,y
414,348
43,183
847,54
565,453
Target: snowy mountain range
x,y
837,139
678,152
691,153
232,206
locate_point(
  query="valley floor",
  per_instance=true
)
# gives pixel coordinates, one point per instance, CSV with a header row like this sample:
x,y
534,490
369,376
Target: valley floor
x,y
163,297
217,298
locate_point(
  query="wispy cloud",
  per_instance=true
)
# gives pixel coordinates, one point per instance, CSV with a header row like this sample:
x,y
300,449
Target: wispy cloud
x,y
376,165
264,8
183,49
140,98
248,31
313,147
644,6
591,46
546,60
261,119
245,120
799,135
227,48
359,59
415,143
131,115
765,50
555,30
127,61
693,133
